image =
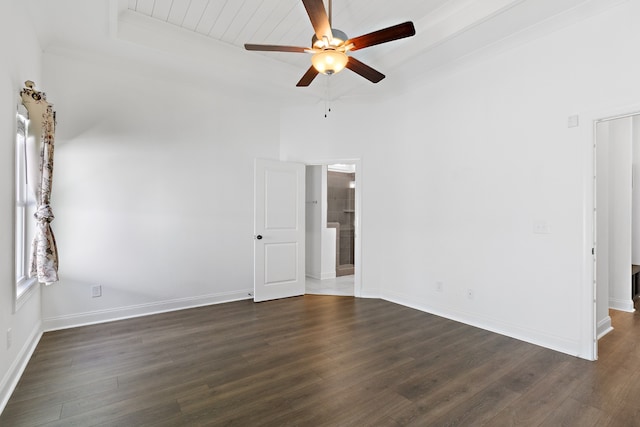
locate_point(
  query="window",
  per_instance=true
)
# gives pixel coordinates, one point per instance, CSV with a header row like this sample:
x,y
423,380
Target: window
x,y
25,208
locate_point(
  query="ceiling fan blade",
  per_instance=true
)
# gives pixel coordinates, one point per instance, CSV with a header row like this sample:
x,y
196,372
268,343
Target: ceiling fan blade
x,y
395,32
319,19
364,70
308,77
274,48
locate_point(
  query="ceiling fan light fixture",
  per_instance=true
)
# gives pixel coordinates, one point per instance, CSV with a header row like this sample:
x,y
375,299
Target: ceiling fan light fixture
x,y
329,61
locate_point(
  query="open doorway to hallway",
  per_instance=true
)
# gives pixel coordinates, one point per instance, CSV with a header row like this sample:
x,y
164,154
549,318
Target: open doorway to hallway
x,y
617,224
332,228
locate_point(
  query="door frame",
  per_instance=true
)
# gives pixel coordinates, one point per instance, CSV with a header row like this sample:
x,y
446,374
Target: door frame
x,y
357,290
589,328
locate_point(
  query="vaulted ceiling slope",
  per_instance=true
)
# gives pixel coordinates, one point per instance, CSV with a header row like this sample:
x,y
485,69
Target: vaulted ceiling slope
x,y
207,36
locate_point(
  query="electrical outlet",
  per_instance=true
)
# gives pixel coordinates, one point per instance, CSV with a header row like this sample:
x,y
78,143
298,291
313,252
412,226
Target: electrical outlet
x,y
96,291
439,287
470,293
9,338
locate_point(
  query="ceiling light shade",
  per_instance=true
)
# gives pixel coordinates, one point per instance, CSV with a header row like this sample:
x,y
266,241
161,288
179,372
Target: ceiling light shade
x,y
329,61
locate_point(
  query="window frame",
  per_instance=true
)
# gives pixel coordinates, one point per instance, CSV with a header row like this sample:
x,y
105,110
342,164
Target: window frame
x,y
24,208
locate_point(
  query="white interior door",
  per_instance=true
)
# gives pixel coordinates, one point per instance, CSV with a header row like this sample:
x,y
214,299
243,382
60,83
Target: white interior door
x,y
279,230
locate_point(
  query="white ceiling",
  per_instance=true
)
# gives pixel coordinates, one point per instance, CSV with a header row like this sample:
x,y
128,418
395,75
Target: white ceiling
x,y
207,36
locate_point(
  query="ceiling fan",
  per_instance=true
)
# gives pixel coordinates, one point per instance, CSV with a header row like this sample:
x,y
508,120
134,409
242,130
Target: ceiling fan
x,y
330,46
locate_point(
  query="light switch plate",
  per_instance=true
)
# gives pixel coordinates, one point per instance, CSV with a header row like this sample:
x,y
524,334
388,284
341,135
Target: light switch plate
x,y
541,227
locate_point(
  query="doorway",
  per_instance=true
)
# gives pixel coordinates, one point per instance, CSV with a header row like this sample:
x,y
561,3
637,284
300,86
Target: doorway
x,y
333,196
617,218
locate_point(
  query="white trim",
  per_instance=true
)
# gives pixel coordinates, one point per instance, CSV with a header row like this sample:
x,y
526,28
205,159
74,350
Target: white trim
x,y
120,313
370,296
553,342
327,276
621,305
342,168
15,371
604,327
22,197
23,292
322,276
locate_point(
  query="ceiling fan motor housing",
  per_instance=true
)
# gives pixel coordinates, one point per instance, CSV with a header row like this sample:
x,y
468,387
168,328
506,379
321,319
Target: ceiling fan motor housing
x,y
339,37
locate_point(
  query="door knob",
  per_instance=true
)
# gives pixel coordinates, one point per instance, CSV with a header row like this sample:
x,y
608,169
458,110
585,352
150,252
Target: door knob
x,y
259,237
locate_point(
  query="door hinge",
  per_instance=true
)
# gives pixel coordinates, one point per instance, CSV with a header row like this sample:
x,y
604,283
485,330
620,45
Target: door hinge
x,y
593,251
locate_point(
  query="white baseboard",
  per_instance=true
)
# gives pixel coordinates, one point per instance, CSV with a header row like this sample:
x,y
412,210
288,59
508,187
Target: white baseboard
x,y
120,313
372,296
322,276
532,336
621,305
328,275
11,378
604,327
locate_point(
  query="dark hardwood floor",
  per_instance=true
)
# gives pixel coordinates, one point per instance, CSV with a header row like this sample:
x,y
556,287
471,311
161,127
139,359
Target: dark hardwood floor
x,y
320,361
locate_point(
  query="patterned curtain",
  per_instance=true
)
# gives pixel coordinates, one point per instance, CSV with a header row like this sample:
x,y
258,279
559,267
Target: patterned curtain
x,y
42,121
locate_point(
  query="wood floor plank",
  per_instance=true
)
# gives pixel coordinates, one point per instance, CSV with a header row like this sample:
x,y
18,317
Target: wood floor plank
x,y
538,401
510,357
319,361
573,413
32,415
478,409
54,395
604,389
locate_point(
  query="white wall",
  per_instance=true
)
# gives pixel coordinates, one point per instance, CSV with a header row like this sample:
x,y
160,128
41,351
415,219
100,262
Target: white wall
x,y
320,240
460,172
328,235
313,221
153,192
21,60
619,200
328,259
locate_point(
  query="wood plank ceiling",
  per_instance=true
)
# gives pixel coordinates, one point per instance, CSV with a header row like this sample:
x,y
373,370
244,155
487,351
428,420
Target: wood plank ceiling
x,y
284,22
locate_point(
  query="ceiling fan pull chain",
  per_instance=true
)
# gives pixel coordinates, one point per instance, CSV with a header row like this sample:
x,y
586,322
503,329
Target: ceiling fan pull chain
x,y
327,99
